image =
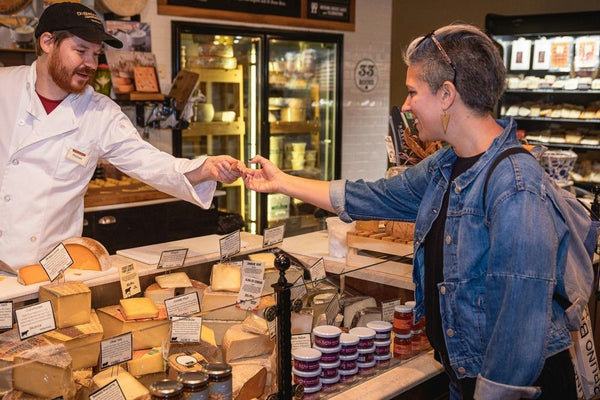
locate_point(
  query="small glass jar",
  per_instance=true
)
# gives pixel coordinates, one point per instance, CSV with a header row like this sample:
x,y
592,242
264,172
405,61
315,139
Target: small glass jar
x,y
348,363
383,362
403,319
330,384
365,335
366,368
166,389
306,359
402,346
349,344
307,379
329,355
219,380
383,347
366,355
348,376
195,385
383,330
416,342
327,336
329,370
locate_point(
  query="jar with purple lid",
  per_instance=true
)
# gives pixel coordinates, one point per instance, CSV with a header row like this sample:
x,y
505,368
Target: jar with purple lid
x,y
366,368
349,343
383,330
312,393
329,370
365,335
382,348
306,359
330,384
383,361
329,355
307,379
326,336
348,376
366,355
348,363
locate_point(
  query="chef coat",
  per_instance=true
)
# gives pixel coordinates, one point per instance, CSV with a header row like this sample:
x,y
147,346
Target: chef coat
x,y
47,161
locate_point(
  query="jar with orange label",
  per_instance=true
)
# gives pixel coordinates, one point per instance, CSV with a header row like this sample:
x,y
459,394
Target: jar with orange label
x,y
403,319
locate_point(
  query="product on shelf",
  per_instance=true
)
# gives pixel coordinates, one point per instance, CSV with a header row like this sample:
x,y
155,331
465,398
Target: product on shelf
x,y
138,308
207,346
255,324
353,305
220,305
188,361
158,295
71,302
173,280
237,344
248,381
226,277
301,322
146,361
131,387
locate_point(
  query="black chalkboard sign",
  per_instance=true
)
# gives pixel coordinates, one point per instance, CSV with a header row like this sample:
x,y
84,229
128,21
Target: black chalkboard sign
x,y
330,10
286,8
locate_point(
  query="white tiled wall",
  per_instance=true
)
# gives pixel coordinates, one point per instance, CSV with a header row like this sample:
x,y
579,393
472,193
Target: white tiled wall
x,y
365,114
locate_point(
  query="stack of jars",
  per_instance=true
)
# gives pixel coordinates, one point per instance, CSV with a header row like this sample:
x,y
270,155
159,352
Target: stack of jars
x,y
409,338
306,369
366,349
327,341
383,340
348,357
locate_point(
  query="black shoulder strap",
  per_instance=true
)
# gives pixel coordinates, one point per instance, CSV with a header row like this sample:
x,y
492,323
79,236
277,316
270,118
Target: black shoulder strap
x,y
500,157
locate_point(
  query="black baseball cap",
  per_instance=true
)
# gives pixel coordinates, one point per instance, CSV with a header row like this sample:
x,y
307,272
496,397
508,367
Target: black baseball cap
x,y
78,19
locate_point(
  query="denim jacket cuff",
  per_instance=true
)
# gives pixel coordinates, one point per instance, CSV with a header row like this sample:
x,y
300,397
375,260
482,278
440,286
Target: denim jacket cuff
x,y
486,389
337,197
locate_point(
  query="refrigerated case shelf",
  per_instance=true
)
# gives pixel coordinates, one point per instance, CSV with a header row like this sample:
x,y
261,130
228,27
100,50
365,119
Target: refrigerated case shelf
x,y
282,127
197,129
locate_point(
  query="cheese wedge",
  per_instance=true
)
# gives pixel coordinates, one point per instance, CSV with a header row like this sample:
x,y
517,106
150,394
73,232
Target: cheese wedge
x,y
248,381
71,302
146,332
131,387
255,324
221,306
81,341
31,274
138,308
88,254
226,277
173,280
147,361
237,344
267,258
207,345
158,295
219,327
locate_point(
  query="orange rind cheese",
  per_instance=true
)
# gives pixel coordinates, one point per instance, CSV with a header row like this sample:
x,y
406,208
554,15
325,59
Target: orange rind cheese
x,y
30,274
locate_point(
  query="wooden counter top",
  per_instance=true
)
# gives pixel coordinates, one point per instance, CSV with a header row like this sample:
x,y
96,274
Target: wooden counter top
x,y
122,194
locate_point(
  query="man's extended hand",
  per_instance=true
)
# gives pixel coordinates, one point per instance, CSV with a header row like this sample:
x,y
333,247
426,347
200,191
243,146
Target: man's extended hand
x,y
222,168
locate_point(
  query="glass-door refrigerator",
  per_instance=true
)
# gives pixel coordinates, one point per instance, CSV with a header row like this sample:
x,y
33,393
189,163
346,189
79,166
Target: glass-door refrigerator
x,y
270,92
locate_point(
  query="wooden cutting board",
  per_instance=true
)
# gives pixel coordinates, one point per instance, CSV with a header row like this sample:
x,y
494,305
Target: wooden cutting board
x,y
122,194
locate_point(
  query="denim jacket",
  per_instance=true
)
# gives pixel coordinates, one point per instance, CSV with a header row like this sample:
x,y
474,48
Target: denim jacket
x,y
500,263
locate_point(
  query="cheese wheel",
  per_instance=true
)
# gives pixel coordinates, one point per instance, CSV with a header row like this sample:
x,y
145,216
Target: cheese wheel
x,y
88,254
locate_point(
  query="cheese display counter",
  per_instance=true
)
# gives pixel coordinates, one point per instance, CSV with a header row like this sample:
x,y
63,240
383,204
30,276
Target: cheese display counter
x,y
102,334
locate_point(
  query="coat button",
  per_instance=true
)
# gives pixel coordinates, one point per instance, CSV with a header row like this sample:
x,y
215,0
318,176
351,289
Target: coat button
x,y
15,162
32,239
21,122
457,190
443,290
448,239
462,370
450,332
7,197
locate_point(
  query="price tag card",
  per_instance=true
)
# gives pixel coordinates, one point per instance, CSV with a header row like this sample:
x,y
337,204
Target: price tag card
x,y
6,314
112,391
116,350
35,319
298,289
332,310
253,269
172,258
272,326
302,340
130,281
230,245
317,272
273,235
387,309
250,292
56,261
180,306
186,330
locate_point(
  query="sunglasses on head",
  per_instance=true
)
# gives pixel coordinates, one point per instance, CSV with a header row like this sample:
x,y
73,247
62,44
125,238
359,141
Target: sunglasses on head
x,y
431,36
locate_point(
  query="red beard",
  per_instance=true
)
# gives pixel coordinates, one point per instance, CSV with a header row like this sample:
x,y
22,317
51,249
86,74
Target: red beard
x,y
64,77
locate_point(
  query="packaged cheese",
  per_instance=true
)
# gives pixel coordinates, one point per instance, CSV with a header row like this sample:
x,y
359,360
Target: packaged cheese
x,y
81,341
71,302
146,332
226,277
131,387
138,308
237,344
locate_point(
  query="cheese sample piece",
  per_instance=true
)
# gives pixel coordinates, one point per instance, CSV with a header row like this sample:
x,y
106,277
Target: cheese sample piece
x,y
173,280
221,306
88,254
158,295
248,381
131,387
81,341
147,361
31,274
189,361
44,372
353,305
237,343
146,332
226,277
267,258
71,302
138,308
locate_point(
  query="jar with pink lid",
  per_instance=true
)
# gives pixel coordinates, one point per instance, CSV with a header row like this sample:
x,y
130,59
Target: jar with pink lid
x,y
307,379
349,344
306,359
329,370
365,335
383,347
383,330
366,355
348,362
330,384
326,336
329,355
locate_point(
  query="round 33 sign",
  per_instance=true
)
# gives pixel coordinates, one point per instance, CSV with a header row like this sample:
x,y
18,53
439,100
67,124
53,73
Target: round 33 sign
x,y
366,75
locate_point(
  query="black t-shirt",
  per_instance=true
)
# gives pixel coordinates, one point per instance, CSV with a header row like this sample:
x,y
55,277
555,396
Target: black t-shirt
x,y
434,268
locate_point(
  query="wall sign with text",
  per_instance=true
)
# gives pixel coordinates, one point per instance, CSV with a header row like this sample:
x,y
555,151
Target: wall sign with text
x,y
366,75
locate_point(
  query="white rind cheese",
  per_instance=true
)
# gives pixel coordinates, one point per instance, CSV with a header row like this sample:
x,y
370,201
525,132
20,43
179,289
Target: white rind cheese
x,y
226,277
237,344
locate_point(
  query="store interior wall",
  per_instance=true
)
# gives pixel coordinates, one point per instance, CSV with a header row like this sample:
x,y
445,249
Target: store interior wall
x,y
411,19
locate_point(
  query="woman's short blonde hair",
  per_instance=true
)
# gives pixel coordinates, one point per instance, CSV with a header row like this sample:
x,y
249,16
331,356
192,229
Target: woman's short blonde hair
x,y
479,72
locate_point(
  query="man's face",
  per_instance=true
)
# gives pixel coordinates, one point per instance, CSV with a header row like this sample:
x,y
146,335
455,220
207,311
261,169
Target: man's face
x,y
72,63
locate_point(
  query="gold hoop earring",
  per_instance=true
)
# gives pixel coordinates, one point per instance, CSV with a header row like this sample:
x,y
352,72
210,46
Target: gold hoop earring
x,y
445,119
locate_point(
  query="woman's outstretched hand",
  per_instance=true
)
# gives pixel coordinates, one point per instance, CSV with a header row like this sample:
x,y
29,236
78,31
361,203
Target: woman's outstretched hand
x,y
266,179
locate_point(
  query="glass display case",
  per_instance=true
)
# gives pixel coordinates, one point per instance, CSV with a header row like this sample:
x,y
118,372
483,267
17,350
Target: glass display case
x,y
274,93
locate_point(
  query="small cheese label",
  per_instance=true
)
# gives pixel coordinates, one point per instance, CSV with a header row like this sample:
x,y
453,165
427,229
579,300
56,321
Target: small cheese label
x,y
230,245
181,306
273,236
56,261
387,309
6,315
300,341
78,156
116,350
111,391
130,281
298,290
186,329
250,292
317,272
172,258
35,319
272,326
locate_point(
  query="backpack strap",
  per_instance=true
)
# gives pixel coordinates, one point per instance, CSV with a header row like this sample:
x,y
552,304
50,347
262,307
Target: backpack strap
x,y
500,157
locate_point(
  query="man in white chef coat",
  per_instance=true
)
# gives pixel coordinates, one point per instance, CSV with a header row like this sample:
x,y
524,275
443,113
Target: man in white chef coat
x,y
53,129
